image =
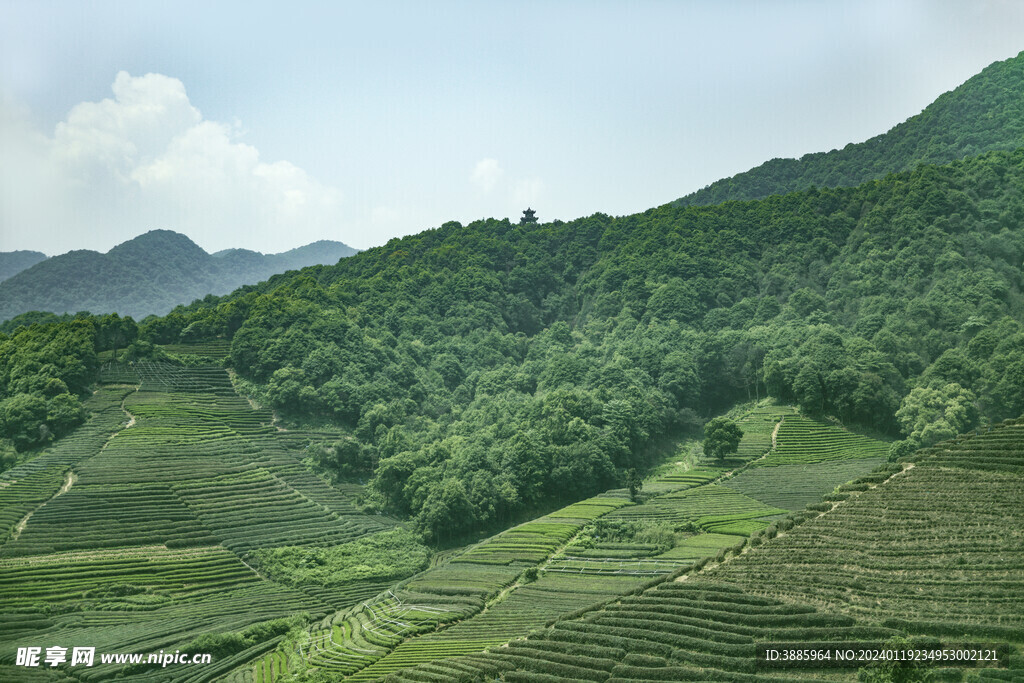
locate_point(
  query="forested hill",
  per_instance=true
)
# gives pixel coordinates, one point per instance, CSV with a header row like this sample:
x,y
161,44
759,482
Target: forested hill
x,y
483,369
13,262
985,113
150,274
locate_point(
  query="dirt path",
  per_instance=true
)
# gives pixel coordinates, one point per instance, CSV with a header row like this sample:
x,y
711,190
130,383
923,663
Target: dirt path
x,y
69,478
131,418
775,432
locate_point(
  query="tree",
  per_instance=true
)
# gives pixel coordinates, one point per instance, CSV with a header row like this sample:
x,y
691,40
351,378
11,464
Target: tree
x,y
114,332
901,449
932,414
23,417
447,511
807,388
721,437
64,413
635,483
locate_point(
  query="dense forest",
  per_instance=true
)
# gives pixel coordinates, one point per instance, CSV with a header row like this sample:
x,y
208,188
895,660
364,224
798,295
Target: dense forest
x,y
148,275
983,114
480,370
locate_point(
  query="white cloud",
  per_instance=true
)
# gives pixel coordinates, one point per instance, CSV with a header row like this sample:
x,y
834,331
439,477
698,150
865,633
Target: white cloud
x,y
147,159
486,174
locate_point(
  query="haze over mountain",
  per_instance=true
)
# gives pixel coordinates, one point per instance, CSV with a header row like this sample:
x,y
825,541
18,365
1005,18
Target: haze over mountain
x,y
13,262
985,113
150,274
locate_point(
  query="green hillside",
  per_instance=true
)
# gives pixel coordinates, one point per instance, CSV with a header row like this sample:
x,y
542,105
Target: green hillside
x,y
985,113
13,262
930,550
479,370
584,554
148,275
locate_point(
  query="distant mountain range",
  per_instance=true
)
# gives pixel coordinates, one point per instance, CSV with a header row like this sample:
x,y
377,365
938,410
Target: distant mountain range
x,y
150,274
983,114
13,262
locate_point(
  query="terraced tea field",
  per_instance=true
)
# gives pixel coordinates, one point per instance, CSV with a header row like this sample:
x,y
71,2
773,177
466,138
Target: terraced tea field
x,y
215,349
810,459
476,587
803,441
492,602
933,550
941,543
527,608
131,534
794,486
758,426
684,479
712,508
146,546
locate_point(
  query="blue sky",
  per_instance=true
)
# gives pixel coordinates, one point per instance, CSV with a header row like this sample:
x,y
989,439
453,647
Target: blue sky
x,y
265,126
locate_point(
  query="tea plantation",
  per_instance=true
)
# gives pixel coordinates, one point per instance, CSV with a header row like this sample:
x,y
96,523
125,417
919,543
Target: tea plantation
x,y
145,530
485,595
929,549
136,532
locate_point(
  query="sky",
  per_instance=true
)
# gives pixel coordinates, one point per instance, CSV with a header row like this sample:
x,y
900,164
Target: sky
x,y
267,126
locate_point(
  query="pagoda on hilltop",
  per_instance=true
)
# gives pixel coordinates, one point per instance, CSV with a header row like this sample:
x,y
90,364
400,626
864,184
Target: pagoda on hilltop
x,y
528,217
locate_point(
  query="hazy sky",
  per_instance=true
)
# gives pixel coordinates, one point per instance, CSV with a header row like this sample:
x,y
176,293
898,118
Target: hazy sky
x,y
266,126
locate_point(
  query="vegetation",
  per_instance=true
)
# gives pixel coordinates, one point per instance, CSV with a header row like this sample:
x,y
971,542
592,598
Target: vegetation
x,y
153,529
932,414
390,555
148,275
44,369
721,437
13,262
479,371
806,441
918,560
793,486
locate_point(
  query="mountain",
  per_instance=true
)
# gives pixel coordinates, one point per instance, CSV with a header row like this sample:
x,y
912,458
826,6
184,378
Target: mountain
x,y
13,262
985,113
150,274
482,369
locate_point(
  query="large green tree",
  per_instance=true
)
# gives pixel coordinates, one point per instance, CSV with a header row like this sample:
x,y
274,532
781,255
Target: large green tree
x,y
721,437
932,414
